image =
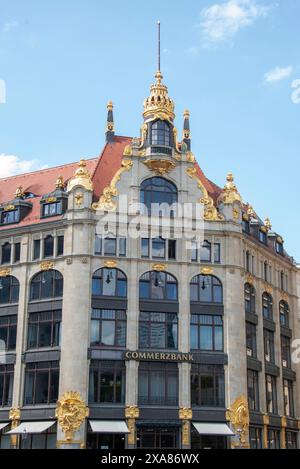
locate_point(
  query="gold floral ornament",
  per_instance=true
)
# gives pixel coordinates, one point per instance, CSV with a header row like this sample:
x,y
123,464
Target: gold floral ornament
x,y
159,105
106,201
60,183
230,193
210,211
71,412
238,415
160,167
81,178
5,272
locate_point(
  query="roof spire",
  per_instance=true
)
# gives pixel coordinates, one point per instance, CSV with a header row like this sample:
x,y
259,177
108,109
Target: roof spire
x,y
186,129
110,126
158,29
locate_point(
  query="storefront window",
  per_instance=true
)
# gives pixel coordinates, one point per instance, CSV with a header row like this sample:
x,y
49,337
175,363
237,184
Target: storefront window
x,y
107,382
207,386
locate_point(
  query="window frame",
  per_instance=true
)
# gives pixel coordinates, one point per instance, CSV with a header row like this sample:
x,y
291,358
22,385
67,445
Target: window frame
x,y
213,283
118,321
148,282
39,368
165,324
120,280
214,372
101,367
200,325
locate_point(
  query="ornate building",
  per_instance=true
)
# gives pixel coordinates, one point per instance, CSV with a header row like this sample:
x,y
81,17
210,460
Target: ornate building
x,y
149,341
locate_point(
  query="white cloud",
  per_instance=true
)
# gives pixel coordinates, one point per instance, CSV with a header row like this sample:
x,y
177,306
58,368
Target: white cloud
x,y
9,26
278,74
10,165
222,21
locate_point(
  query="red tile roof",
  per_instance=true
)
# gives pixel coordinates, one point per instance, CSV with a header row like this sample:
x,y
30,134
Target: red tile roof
x,y
102,170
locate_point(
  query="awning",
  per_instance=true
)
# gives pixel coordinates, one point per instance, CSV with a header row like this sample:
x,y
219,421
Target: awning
x,y
213,429
109,426
31,427
3,425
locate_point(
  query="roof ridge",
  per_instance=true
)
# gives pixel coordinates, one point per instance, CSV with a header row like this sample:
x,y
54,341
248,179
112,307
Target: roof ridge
x,y
42,171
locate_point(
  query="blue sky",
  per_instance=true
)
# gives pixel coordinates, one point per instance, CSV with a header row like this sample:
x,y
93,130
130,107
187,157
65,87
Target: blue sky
x,y
232,63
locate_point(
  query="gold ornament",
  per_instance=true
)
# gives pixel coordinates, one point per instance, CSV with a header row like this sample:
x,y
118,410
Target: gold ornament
x,y
9,208
51,200
251,213
14,413
250,279
206,271
46,265
159,267
19,192
5,272
210,211
60,183
111,264
238,415
79,199
128,150
268,224
230,193
106,201
160,167
186,415
131,414
236,214
15,416
81,178
159,105
71,412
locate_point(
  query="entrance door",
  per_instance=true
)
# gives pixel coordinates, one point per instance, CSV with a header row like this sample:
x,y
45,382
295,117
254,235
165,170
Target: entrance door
x,y
157,438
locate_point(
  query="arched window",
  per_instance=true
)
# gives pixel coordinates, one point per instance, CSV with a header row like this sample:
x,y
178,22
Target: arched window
x,y
110,282
206,289
6,253
267,305
158,286
48,284
9,290
284,312
249,298
160,133
158,190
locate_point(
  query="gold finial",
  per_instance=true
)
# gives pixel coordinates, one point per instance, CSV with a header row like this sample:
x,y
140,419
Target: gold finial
x,y
19,192
186,114
251,212
268,224
110,106
230,193
81,178
60,183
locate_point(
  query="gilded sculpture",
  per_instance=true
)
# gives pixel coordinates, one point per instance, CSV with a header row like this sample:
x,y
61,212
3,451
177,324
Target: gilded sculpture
x,y
160,167
230,193
238,415
71,412
81,178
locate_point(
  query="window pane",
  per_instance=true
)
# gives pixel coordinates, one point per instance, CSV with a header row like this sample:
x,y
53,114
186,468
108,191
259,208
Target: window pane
x,y
145,247
206,338
108,333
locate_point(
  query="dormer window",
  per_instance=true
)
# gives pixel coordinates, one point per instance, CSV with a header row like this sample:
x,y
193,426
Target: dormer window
x,y
51,208
263,236
160,133
279,247
10,216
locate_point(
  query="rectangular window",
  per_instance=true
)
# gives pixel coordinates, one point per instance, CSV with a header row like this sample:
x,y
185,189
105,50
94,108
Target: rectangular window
x,y
158,248
12,216
291,440
107,382
52,209
251,340
145,247
8,333
273,439
172,249
6,253
271,394
253,390
48,246
269,346
255,436
110,247
60,246
217,253
17,252
6,385
207,386
98,245
288,396
122,247
206,332
108,328
263,237
286,352
44,329
158,330
41,383
36,249
158,384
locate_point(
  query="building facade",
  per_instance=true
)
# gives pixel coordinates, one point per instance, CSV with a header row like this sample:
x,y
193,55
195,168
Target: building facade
x,y
151,338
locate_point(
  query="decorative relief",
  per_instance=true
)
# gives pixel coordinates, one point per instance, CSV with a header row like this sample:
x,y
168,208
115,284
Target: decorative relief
x,y
159,267
268,224
210,211
81,178
79,199
5,272
51,200
60,183
268,288
15,417
71,412
131,414
206,271
106,201
128,150
185,413
111,264
236,214
250,279
19,194
9,208
160,167
238,415
69,261
230,193
84,260
284,297
46,265
14,413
